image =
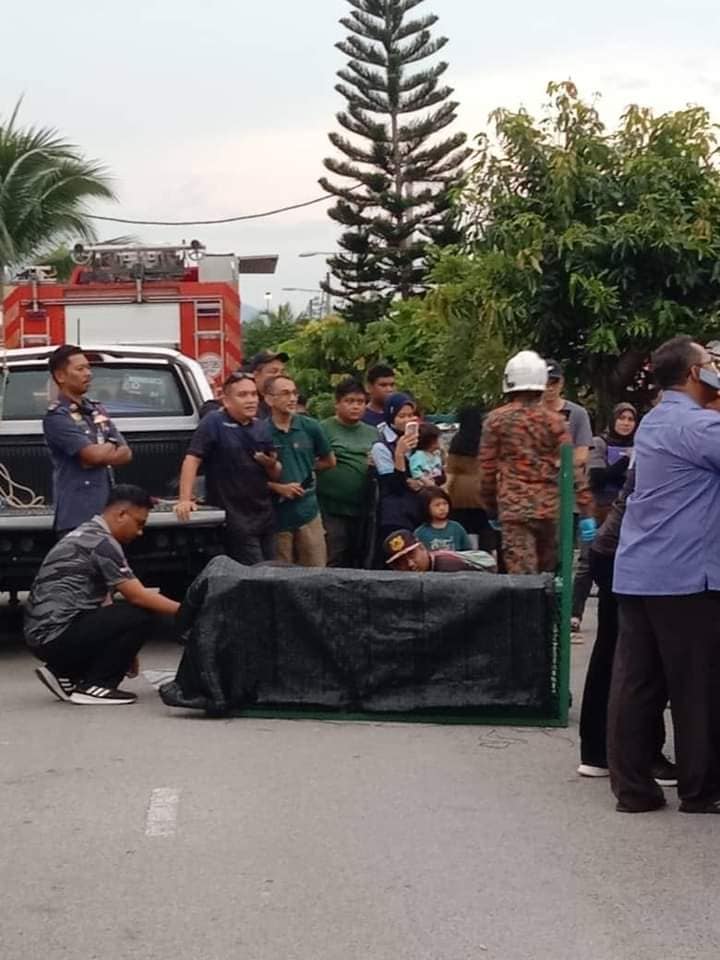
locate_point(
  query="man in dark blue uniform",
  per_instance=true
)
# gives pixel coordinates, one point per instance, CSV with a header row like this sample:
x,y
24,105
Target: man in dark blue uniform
x,y
236,450
85,445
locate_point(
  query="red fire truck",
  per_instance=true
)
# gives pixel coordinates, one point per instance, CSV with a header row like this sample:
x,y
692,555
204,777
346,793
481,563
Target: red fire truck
x,y
156,296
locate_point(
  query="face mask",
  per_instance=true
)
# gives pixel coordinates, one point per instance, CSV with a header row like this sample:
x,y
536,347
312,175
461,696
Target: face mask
x,y
709,378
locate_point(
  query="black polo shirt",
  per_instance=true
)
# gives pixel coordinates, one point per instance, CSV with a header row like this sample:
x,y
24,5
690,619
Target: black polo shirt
x,y
235,481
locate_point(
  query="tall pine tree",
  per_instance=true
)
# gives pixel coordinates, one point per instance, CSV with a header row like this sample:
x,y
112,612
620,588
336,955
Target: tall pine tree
x,y
399,169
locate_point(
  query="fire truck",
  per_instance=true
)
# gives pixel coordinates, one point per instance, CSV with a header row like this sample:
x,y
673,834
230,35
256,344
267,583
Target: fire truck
x,y
178,297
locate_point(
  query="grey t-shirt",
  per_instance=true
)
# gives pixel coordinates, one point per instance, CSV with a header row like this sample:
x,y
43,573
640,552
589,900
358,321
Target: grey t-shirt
x,y
75,577
578,423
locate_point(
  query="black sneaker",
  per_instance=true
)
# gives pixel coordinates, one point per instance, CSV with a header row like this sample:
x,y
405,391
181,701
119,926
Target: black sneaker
x,y
664,772
60,687
92,693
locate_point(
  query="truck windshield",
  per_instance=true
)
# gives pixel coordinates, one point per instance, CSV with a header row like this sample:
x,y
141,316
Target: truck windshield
x,y
131,390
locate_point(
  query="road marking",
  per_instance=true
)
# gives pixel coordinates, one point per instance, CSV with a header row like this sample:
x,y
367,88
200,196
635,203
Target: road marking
x,y
162,812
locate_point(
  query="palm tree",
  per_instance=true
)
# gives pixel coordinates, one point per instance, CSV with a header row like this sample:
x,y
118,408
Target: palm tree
x,y
44,184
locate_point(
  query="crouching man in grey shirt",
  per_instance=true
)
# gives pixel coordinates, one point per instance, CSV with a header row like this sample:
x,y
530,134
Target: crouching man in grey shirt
x,y
88,644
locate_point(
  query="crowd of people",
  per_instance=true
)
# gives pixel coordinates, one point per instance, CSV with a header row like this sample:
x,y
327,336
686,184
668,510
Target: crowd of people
x,y
373,486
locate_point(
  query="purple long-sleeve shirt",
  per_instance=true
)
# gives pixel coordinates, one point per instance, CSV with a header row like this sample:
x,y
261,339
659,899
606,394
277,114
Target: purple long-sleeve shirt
x,y
670,537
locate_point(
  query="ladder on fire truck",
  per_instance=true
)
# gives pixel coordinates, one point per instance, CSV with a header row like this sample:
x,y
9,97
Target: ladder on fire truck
x,y
39,335
207,325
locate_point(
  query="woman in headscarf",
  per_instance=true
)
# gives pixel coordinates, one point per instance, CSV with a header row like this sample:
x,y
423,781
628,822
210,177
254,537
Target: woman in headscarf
x,y
610,457
399,505
463,473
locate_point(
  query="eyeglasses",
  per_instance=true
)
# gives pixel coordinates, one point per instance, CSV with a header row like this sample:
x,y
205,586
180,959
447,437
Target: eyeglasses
x,y
238,377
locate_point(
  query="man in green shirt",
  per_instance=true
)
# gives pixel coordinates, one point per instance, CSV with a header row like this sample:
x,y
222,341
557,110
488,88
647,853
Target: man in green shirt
x,y
302,449
342,491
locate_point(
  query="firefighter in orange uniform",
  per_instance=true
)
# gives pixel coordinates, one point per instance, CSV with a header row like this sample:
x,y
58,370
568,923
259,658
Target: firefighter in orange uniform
x,y
520,467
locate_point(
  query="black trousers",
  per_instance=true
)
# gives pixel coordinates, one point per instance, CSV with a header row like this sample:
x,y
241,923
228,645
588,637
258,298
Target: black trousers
x,y
343,536
666,644
249,550
476,521
582,583
594,711
99,646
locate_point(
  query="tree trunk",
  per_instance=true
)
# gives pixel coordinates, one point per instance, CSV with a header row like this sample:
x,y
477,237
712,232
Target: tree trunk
x,y
611,380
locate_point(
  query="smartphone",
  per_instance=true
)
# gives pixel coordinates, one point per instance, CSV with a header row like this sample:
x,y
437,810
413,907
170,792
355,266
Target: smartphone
x,y
412,429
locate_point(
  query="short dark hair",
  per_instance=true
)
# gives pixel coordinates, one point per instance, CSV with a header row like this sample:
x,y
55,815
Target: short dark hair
x,y
131,494
237,377
379,371
672,361
347,386
59,358
270,385
428,495
427,432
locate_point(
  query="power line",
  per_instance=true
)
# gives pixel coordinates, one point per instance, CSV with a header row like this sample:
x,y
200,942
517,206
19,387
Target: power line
x,y
205,223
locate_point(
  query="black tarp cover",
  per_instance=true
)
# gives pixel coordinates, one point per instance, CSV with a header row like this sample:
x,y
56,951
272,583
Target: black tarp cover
x,y
363,641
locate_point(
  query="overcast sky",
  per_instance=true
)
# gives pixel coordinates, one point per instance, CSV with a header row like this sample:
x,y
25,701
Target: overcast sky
x,y
220,107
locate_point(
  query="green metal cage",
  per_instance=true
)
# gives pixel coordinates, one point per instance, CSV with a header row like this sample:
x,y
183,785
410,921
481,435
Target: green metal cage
x,y
555,713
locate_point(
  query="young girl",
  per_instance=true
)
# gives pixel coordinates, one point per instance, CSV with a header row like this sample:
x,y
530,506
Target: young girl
x,y
438,532
426,462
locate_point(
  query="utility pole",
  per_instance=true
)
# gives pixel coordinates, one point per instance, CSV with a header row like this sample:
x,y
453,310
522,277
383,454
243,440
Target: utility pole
x,y
327,298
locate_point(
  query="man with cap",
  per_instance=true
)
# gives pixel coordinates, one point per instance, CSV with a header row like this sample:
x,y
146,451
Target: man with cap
x,y
88,643
576,416
667,579
403,551
85,445
265,366
520,467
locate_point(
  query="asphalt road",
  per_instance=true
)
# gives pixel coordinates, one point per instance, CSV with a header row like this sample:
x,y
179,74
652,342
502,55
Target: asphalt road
x,y
136,832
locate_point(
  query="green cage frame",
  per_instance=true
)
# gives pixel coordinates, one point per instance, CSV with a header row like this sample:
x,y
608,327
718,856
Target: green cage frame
x,y
558,704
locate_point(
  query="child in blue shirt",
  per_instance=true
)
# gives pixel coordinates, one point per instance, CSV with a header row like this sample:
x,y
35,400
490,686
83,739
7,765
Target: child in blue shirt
x,y
426,463
439,533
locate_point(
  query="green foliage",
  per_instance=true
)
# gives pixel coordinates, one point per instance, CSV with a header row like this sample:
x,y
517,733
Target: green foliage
x,y
267,331
589,246
322,406
44,185
424,339
324,351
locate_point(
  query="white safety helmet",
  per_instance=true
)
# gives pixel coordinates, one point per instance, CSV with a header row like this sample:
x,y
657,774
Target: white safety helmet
x,y
525,371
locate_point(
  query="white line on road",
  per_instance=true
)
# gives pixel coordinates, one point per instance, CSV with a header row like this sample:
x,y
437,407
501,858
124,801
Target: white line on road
x,y
162,812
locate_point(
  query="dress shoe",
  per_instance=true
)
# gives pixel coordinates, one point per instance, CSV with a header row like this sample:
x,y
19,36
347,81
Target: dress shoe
x,y
700,806
664,772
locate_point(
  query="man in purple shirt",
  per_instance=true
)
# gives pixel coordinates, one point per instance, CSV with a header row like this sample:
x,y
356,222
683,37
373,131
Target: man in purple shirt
x,y
667,577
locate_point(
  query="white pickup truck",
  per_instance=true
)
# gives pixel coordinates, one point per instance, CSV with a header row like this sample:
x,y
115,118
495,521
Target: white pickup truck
x,y
155,397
